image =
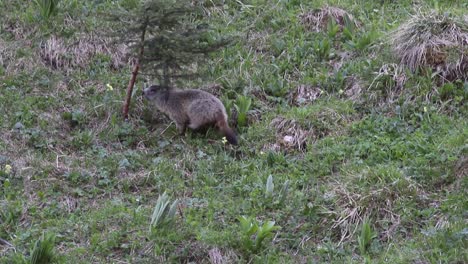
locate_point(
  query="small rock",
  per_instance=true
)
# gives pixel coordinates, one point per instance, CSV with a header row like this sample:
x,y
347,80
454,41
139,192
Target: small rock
x,y
18,126
288,139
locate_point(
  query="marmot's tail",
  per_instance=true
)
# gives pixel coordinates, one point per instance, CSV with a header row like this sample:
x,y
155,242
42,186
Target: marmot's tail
x,y
230,135
227,131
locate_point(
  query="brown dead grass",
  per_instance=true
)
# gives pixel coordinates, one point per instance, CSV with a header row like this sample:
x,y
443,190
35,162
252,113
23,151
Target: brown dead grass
x,y
62,54
271,147
293,133
461,171
391,76
317,20
304,94
438,41
290,134
198,252
218,256
354,89
13,63
379,202
3,50
59,53
258,41
16,30
5,246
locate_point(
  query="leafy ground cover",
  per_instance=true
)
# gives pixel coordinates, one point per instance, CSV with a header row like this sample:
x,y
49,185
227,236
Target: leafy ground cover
x,y
345,155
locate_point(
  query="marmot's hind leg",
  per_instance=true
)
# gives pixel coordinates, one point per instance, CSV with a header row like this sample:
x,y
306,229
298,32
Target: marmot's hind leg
x,y
203,129
181,127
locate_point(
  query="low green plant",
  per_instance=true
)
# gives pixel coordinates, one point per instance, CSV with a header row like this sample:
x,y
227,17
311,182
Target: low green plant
x,y
82,139
43,250
281,195
361,42
349,28
228,105
35,137
365,238
10,213
163,213
277,87
322,49
242,106
47,8
250,228
332,28
338,80
284,191
76,118
457,91
269,187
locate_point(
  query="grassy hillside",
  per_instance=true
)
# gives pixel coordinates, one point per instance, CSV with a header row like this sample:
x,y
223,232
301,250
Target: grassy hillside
x,y
353,156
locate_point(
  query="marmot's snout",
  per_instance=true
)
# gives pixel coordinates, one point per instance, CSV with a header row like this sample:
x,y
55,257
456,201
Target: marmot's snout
x,y
150,92
143,92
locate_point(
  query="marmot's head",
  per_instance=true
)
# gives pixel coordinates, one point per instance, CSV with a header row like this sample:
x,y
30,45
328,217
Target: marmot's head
x,y
153,91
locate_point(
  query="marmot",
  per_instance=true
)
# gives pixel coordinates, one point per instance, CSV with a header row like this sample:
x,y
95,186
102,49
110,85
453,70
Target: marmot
x,y
192,108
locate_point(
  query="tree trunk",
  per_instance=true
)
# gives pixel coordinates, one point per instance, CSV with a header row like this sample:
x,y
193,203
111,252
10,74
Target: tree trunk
x,y
130,90
131,83
166,75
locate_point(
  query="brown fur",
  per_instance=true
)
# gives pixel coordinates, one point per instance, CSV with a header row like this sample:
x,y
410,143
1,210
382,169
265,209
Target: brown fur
x,y
192,108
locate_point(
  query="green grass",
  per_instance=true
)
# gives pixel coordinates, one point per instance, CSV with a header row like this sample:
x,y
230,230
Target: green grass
x,y
391,159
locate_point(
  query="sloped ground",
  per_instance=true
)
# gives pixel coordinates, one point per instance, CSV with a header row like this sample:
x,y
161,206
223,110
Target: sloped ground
x,y
357,138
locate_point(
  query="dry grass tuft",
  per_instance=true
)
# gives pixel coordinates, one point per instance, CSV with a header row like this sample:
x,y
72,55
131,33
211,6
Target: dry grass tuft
x,y
258,41
378,200
393,77
198,252
3,49
317,20
213,88
305,94
12,62
395,72
4,57
290,134
378,204
461,170
219,257
16,30
215,256
435,40
6,246
354,89
307,124
59,54
271,147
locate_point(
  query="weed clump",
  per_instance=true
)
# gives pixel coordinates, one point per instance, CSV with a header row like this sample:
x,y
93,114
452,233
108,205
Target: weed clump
x,y
438,41
317,20
304,94
47,8
59,53
290,133
43,251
